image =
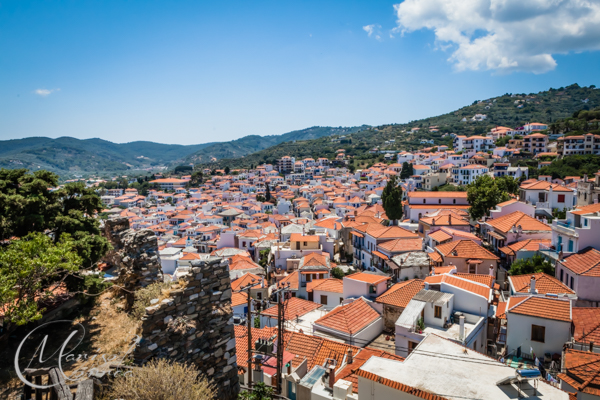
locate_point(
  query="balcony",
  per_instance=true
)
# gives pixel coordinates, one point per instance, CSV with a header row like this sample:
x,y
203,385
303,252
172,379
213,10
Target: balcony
x,y
565,228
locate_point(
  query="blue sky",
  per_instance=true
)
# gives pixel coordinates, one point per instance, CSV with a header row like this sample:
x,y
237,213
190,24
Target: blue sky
x,y
194,71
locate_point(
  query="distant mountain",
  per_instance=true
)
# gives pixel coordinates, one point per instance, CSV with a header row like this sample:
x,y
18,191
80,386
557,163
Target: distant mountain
x,y
70,157
250,144
511,110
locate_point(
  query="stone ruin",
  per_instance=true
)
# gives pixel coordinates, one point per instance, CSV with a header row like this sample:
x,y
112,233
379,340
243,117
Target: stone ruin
x,y
135,253
194,323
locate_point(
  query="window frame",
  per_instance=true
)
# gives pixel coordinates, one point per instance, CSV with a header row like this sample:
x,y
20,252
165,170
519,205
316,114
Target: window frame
x,y
535,338
437,312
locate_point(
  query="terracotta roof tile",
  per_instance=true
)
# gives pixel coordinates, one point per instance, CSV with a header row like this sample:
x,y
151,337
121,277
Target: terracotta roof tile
x,y
544,284
402,293
586,262
556,309
465,249
517,218
582,371
349,318
421,394
326,285
368,278
587,324
478,288
402,245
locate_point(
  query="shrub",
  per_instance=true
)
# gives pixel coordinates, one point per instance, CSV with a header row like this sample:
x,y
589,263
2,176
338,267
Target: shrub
x,y
145,295
162,380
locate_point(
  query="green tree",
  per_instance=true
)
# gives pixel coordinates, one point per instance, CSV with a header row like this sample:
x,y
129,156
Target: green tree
x,y
537,263
338,273
407,170
391,199
260,391
268,193
27,204
227,170
508,184
483,195
29,268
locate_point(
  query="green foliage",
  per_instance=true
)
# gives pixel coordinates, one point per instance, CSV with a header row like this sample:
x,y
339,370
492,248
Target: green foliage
x,y
338,273
227,170
27,205
183,169
560,214
391,199
450,188
260,198
260,391
197,179
537,263
268,193
575,165
257,322
407,170
483,195
508,184
264,257
28,269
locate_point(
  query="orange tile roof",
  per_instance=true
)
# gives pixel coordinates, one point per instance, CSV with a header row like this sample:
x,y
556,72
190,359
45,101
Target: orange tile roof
x,y
471,286
238,298
581,210
298,237
439,236
586,262
294,307
487,280
244,280
503,306
525,245
293,279
241,342
582,371
586,321
326,285
402,293
421,394
517,218
349,318
368,278
544,284
556,309
402,245
384,232
465,249
348,372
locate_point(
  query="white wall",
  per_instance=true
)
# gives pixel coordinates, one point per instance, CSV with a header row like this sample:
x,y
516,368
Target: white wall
x,y
519,334
354,288
333,299
466,301
369,390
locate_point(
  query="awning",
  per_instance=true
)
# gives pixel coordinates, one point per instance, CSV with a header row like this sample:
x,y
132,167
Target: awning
x,y
392,265
496,235
357,234
380,255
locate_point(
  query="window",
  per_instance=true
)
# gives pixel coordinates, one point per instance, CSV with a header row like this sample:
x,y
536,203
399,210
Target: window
x,y
562,275
561,198
571,286
243,244
323,299
258,295
439,201
305,243
438,312
475,345
538,333
454,201
372,289
411,346
341,300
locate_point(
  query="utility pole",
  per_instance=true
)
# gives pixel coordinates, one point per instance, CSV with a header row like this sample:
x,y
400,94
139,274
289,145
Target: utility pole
x,y
280,330
249,326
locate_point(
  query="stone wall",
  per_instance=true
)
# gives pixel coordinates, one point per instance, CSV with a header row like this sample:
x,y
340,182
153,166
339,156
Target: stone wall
x,y
194,324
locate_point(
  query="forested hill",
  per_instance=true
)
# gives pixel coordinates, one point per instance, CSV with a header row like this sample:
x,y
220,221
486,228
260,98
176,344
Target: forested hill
x,y
70,157
511,110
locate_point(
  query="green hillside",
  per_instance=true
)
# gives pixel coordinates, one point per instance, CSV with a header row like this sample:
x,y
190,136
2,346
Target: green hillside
x,y
250,144
554,105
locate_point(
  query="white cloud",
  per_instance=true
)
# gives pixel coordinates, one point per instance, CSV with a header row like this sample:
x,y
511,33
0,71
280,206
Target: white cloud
x,y
505,35
45,92
373,29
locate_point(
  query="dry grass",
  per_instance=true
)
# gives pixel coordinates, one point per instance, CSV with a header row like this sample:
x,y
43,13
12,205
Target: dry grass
x,y
111,331
158,290
162,380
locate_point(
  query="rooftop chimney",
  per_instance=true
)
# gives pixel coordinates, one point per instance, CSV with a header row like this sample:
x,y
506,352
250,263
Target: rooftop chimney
x,y
349,358
461,334
532,285
331,376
